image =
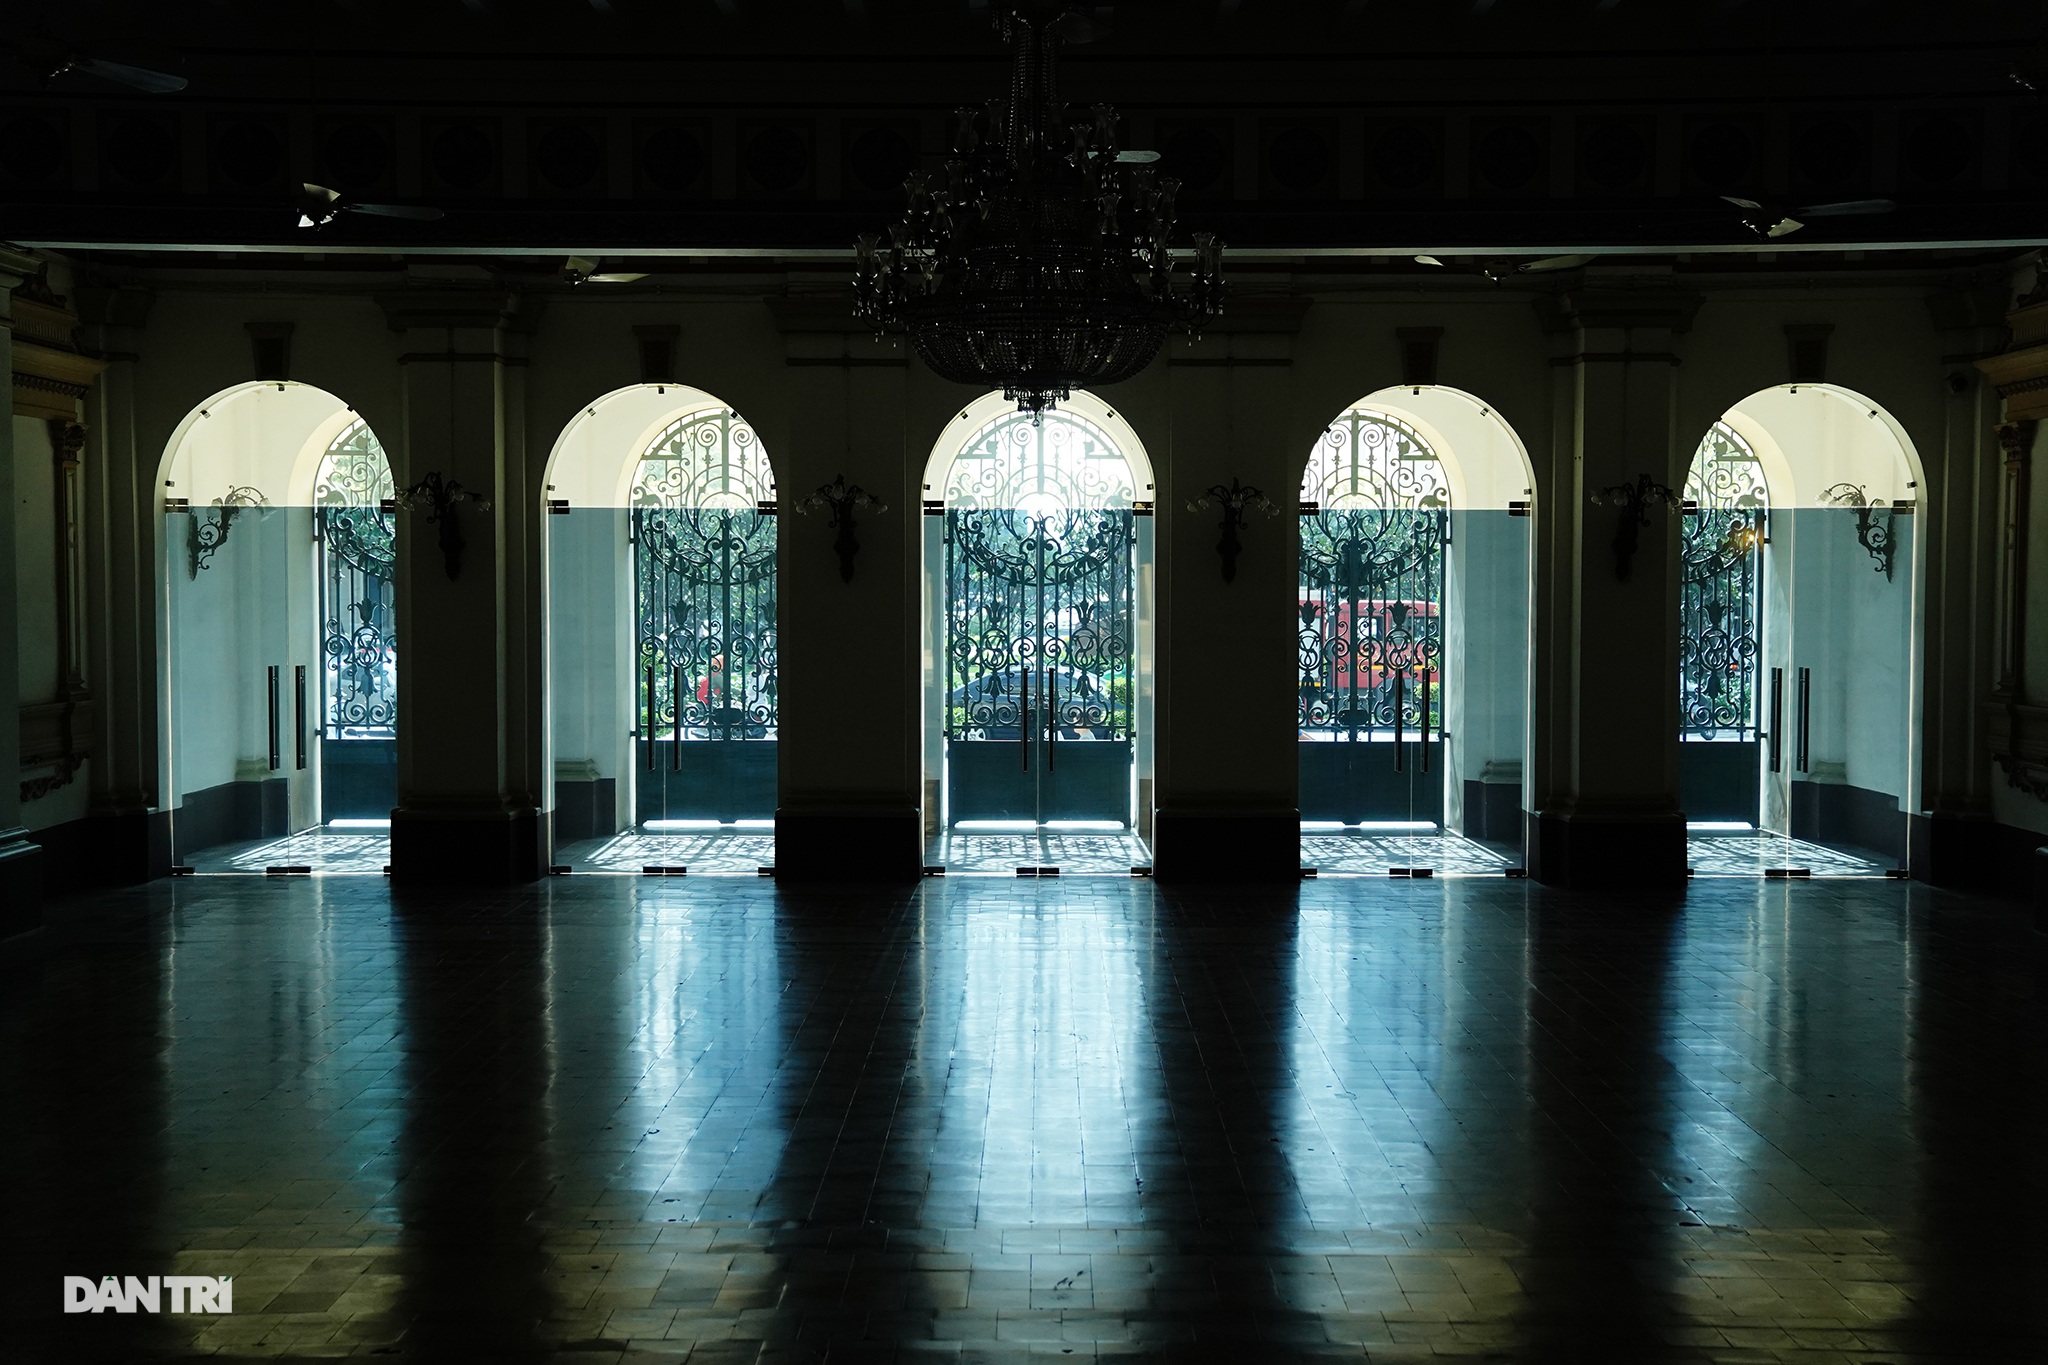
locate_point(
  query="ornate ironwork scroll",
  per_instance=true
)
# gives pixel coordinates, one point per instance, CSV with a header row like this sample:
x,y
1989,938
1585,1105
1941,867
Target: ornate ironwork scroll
x,y
1874,535
1040,542
1376,512
704,575
1720,639
358,559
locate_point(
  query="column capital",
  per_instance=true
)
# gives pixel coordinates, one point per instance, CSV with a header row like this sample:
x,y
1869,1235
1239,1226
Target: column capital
x,y
17,265
2020,372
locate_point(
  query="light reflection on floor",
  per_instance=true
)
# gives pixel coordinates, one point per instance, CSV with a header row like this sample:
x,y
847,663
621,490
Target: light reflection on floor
x,y
326,850
1074,852
709,852
1369,853
1749,853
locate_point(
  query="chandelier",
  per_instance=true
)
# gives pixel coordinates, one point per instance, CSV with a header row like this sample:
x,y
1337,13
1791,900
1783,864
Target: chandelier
x,y
1038,261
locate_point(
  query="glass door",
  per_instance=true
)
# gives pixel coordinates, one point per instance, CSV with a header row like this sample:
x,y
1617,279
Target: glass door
x,y
1040,653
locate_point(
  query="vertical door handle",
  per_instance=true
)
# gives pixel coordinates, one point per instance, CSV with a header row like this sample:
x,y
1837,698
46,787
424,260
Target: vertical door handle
x,y
1400,678
649,731
675,741
1805,714
1777,719
1425,719
276,755
1052,718
299,715
1024,722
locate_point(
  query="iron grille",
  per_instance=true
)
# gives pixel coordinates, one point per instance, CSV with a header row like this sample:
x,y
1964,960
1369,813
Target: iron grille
x,y
1720,641
1374,532
704,576
358,638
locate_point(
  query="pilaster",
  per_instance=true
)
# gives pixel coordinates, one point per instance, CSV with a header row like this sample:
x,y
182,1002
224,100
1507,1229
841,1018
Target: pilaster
x,y
1226,772
467,600
21,871
1604,784
850,782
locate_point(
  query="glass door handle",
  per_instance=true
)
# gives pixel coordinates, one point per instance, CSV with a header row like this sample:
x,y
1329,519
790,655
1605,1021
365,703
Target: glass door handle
x,y
1052,719
1425,720
675,692
1399,731
648,733
1024,722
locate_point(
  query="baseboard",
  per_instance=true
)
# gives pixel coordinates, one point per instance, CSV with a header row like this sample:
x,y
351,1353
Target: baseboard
x,y
1196,846
450,847
1970,852
1604,851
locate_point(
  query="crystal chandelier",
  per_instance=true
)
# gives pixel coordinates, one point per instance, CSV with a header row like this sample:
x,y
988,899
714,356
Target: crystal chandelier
x,y
1038,261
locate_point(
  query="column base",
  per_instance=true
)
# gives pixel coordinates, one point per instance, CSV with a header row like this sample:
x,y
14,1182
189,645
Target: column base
x,y
21,884
822,844
1196,846
472,848
1607,851
1967,851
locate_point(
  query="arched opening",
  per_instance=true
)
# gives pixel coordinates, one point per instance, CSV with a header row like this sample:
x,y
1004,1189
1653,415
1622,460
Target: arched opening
x,y
280,650
1797,625
1412,631
661,611
1038,553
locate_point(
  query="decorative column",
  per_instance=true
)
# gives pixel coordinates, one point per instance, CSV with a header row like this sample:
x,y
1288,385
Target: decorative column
x,y
118,528
468,590
21,874
1604,786
1225,766
2016,712
850,778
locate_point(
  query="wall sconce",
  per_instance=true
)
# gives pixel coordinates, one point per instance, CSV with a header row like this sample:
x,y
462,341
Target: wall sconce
x,y
1635,501
1233,500
1873,536
209,535
440,497
842,497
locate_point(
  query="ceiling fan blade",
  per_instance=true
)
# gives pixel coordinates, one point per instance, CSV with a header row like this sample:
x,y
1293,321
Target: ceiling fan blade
x,y
1554,263
579,266
1847,208
1136,158
419,213
136,77
1784,227
1428,260
615,277
1740,203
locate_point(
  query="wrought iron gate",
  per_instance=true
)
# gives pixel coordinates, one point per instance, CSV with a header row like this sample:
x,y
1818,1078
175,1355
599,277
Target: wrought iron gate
x,y
1720,638
1369,696
1039,652
1040,624
358,636
704,585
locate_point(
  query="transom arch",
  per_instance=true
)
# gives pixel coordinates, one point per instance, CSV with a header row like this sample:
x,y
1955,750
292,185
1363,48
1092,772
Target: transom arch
x,y
1486,465
1083,416
266,435
595,461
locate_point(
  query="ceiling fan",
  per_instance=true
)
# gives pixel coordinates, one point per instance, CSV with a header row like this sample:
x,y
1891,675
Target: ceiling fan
x,y
1501,270
50,58
580,270
319,206
1771,220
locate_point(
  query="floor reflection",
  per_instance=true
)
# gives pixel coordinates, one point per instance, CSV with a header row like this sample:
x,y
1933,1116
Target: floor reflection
x,y
980,1118
703,852
1000,853
328,850
1752,853
1365,853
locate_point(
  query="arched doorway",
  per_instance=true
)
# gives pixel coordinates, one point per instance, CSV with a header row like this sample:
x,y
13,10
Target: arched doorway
x,y
1412,625
1038,553
1797,629
662,637
279,642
